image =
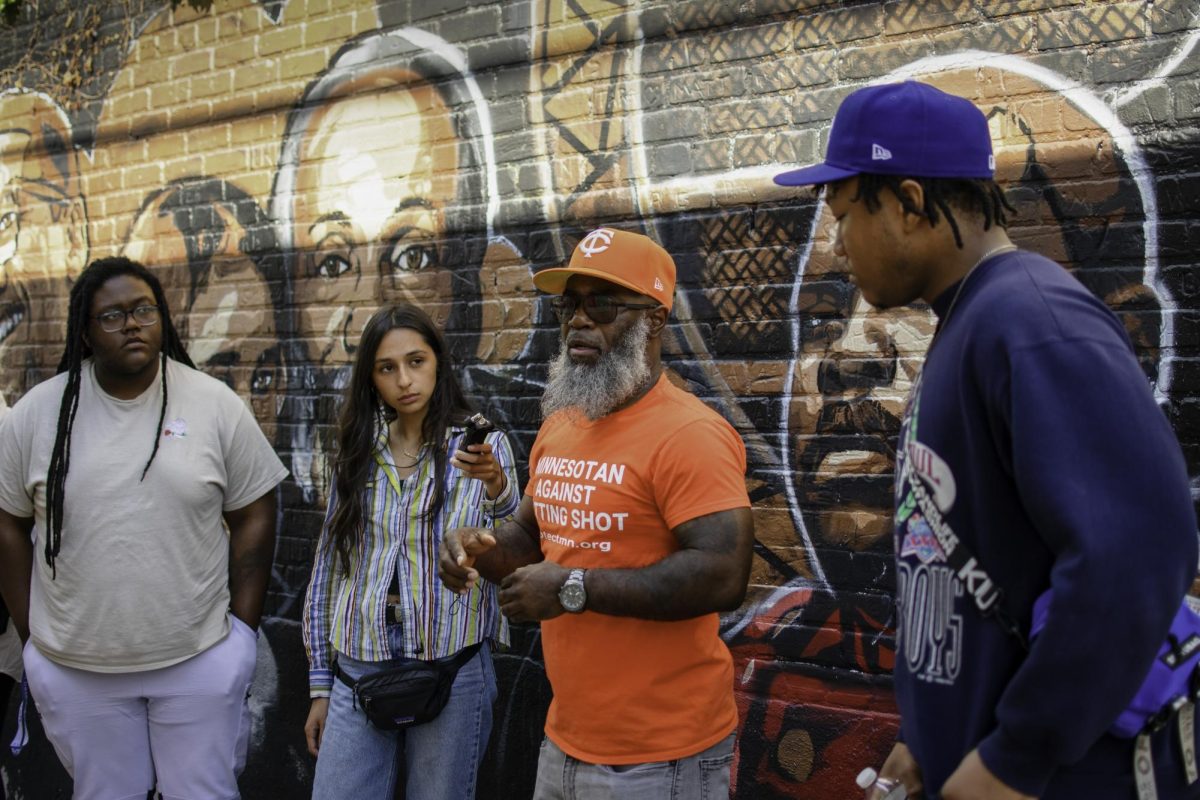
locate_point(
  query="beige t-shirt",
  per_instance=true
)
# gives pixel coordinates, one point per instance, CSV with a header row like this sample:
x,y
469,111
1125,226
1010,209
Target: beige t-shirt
x,y
143,572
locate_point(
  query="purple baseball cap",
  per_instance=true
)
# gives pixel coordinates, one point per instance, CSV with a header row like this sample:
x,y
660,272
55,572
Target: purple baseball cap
x,y
907,128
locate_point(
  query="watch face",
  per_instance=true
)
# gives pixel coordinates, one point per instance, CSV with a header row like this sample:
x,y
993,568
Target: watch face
x,y
572,596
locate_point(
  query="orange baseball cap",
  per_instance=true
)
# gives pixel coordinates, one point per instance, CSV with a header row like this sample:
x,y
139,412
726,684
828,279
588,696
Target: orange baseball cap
x,y
625,258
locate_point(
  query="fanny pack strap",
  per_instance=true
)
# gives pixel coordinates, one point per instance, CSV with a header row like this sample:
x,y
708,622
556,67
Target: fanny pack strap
x,y
1143,768
989,599
450,663
1187,741
1143,755
985,592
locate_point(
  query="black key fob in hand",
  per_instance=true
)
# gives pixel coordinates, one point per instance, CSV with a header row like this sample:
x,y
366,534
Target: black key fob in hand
x,y
478,427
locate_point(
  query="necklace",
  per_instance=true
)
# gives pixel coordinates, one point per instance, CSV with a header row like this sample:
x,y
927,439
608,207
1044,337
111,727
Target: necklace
x,y
414,456
1004,248
916,389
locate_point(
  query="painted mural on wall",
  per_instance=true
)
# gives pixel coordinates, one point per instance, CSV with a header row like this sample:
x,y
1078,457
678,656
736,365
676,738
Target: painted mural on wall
x,y
43,227
288,167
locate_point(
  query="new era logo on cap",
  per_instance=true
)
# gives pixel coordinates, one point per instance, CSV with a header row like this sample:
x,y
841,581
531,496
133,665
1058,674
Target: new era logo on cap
x,y
879,153
658,284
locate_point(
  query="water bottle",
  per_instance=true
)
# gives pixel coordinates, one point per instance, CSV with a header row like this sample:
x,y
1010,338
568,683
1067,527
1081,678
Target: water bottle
x,y
869,777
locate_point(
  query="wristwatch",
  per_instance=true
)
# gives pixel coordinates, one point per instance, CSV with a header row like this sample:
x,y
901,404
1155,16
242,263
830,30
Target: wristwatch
x,y
573,595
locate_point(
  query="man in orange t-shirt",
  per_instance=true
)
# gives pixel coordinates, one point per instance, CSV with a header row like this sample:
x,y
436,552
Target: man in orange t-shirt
x,y
635,530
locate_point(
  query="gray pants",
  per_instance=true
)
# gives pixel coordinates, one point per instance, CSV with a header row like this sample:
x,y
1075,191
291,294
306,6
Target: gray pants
x,y
704,776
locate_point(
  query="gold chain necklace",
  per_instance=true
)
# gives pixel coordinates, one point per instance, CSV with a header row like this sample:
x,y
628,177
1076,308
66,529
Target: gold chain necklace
x,y
416,457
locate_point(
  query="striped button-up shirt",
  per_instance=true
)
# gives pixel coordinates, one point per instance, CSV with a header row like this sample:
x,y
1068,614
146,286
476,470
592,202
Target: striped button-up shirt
x,y
344,612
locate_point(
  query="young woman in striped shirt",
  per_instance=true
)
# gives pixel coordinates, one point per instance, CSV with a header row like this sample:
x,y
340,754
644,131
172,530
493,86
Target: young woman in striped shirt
x,y
399,481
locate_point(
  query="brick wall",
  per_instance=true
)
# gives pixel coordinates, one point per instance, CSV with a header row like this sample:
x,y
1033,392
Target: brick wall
x,y
221,147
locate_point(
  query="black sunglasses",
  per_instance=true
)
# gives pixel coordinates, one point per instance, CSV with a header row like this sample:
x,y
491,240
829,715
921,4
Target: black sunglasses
x,y
600,307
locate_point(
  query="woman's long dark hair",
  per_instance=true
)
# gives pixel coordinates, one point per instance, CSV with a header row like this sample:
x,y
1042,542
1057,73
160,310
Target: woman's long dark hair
x,y
79,314
363,412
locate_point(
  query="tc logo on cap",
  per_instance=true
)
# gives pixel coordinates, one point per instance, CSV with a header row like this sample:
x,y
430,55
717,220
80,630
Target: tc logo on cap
x,y
597,241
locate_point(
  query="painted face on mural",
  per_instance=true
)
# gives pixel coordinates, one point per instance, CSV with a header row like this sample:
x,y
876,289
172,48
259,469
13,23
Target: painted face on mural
x,y
377,172
156,242
860,351
853,371
43,227
231,335
224,307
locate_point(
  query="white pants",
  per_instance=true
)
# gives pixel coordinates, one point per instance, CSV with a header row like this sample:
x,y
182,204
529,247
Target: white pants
x,y
185,726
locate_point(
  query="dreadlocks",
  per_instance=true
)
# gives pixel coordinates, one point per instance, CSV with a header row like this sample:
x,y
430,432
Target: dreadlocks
x,y
90,280
982,197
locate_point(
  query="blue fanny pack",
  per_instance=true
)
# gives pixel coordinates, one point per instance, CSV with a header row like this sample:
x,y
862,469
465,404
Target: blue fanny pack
x,y
1174,677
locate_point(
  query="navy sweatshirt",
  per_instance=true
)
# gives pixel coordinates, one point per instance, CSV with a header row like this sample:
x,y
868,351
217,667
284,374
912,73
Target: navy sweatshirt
x,y
1036,438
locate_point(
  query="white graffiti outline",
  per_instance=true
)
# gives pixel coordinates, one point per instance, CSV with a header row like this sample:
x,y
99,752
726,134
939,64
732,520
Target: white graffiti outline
x,y
784,438
1084,99
1088,102
1120,97
453,56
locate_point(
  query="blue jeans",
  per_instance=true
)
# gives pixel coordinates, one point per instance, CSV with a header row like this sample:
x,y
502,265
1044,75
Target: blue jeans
x,y
704,776
440,758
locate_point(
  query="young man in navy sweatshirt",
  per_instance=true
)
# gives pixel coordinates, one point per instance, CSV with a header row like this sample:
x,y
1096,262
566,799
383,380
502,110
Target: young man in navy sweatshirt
x,y
1033,439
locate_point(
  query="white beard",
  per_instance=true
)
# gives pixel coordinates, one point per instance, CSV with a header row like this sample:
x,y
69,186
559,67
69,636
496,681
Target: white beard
x,y
594,390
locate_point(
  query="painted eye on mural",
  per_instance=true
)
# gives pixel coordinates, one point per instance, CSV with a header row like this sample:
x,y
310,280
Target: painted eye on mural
x,y
7,221
330,265
823,330
262,380
331,256
402,256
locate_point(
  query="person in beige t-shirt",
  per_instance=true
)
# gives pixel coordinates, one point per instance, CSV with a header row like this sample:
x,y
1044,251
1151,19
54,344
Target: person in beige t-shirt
x,y
118,478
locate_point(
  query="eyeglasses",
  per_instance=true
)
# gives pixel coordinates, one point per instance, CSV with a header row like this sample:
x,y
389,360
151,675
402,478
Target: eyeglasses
x,y
600,307
113,321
